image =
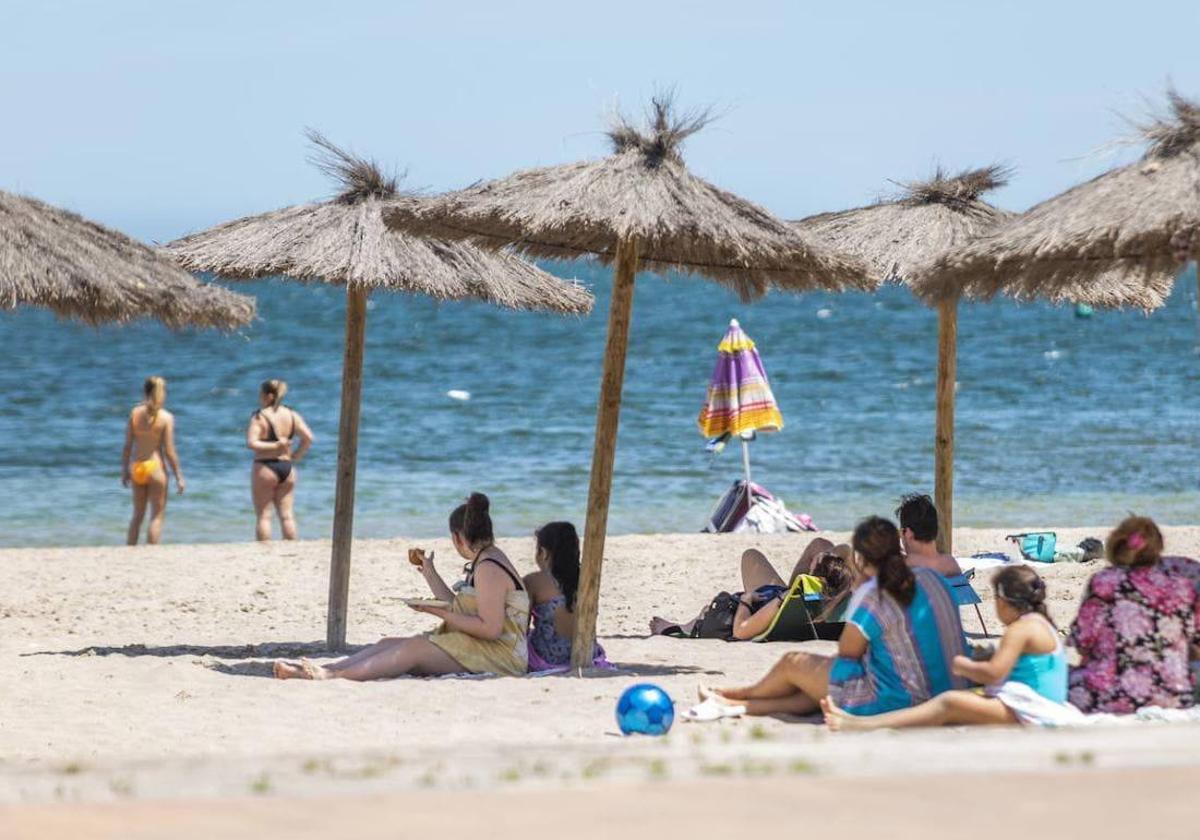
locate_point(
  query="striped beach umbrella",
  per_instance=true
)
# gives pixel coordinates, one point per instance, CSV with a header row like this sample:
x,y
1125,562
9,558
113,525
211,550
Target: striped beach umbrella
x,y
739,395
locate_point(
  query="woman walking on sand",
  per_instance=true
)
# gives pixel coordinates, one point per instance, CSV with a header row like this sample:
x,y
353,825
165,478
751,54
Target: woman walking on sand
x,y
273,471
149,442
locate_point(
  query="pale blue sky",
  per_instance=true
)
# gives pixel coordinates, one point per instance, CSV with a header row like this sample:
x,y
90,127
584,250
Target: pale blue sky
x,y
164,117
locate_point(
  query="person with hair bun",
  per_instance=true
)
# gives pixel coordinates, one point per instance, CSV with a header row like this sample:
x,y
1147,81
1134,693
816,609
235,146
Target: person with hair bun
x,y
1024,682
149,442
273,472
902,633
483,627
1137,623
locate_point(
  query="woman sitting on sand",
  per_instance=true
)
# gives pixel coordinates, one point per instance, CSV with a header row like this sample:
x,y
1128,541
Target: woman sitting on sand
x,y
483,629
1136,625
552,590
1025,681
829,573
273,471
902,632
149,441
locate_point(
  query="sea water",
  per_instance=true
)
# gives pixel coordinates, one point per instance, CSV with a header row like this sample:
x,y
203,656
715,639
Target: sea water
x,y
1060,420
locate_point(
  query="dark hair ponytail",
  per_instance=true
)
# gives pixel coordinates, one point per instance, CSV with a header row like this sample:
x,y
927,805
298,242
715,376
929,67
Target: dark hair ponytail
x,y
1024,589
877,541
561,542
472,522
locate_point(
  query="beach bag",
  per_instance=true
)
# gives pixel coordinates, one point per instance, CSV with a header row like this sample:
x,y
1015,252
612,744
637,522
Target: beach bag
x,y
716,622
1037,546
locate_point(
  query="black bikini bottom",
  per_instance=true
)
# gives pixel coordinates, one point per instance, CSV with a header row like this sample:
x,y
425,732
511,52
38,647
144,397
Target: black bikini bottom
x,y
282,469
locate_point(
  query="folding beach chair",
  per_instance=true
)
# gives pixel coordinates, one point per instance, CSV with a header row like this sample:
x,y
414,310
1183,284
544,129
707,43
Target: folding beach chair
x,y
793,621
965,595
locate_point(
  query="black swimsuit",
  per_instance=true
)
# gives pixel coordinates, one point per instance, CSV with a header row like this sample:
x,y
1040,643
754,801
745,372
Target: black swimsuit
x,y
280,467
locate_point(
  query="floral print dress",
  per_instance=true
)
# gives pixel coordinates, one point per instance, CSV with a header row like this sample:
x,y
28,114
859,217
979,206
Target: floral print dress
x,y
1133,633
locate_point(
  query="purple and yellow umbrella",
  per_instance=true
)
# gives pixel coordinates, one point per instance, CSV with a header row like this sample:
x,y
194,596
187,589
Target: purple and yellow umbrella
x,y
739,401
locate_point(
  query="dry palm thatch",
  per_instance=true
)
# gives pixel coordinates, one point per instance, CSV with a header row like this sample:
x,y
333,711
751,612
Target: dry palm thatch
x,y
1112,241
895,237
643,191
58,260
343,241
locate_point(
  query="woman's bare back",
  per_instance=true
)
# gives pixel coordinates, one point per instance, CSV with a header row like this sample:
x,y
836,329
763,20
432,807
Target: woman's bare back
x,y
148,435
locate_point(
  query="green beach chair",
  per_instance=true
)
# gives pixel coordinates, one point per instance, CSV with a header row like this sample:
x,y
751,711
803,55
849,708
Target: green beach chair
x,y
793,621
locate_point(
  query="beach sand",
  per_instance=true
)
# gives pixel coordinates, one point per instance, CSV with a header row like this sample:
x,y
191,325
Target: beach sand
x,y
143,674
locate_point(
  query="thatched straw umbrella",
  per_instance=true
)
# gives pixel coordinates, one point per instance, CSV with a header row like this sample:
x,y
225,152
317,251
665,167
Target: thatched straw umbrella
x,y
639,207
79,269
1116,240
897,238
343,241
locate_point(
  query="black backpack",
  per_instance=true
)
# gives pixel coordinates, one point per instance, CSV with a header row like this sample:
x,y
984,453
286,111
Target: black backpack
x,y
716,622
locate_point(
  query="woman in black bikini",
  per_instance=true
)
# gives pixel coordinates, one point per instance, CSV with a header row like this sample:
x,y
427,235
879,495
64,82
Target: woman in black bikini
x,y
273,472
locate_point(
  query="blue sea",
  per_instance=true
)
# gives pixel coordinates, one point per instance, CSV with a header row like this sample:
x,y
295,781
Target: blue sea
x,y
1061,420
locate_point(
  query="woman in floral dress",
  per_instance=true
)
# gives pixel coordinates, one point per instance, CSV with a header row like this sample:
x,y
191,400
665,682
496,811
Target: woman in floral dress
x,y
1136,628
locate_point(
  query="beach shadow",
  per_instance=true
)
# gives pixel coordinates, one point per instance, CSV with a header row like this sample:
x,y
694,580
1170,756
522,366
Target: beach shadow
x,y
260,650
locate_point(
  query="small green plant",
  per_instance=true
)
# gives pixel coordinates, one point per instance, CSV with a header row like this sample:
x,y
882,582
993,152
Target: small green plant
x,y
311,765
595,769
121,787
512,774
716,769
427,779
1062,758
758,732
1087,757
260,785
757,768
657,769
800,767
72,768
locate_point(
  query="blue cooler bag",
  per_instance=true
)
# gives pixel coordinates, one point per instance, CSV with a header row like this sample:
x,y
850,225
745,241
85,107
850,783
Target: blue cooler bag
x,y
1037,546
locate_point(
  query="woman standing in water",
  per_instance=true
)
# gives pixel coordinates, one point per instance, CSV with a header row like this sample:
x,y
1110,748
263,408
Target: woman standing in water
x,y
149,441
273,471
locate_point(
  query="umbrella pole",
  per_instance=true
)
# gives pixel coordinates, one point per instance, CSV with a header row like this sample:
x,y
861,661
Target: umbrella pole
x,y
943,450
347,462
608,412
746,467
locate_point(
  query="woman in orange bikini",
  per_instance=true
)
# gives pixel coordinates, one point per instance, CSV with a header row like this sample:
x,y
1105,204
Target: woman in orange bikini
x,y
149,441
273,473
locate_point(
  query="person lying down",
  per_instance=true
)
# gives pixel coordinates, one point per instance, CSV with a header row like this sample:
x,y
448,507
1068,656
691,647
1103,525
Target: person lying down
x,y
826,572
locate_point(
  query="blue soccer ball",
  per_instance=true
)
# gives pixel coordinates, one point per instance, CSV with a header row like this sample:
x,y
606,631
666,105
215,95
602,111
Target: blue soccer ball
x,y
645,709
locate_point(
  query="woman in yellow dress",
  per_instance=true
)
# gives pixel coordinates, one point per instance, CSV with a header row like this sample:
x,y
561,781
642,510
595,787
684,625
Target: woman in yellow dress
x,y
149,447
483,630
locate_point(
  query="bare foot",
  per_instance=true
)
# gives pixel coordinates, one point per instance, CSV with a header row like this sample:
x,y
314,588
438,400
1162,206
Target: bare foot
x,y
837,719
708,692
303,670
287,670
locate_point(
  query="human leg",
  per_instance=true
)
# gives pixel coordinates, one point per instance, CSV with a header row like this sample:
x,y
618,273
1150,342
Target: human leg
x,y
415,655
156,490
949,707
140,497
757,571
262,491
285,497
799,678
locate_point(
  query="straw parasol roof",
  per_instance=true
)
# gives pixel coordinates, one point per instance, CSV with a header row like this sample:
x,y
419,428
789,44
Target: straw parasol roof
x,y
642,191
343,241
1112,241
896,236
58,260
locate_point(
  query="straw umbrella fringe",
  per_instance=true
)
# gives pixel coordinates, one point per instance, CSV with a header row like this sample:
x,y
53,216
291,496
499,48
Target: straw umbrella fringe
x,y
1113,241
639,207
58,260
343,241
899,237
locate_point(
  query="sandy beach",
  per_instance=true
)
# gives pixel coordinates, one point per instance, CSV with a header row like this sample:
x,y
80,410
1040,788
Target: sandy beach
x,y
143,674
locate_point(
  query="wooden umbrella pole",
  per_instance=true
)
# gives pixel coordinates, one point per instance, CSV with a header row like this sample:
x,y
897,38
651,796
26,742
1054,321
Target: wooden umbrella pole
x,y
347,462
943,453
608,415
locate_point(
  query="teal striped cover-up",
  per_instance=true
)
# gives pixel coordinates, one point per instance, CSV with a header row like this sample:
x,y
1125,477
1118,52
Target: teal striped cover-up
x,y
909,649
